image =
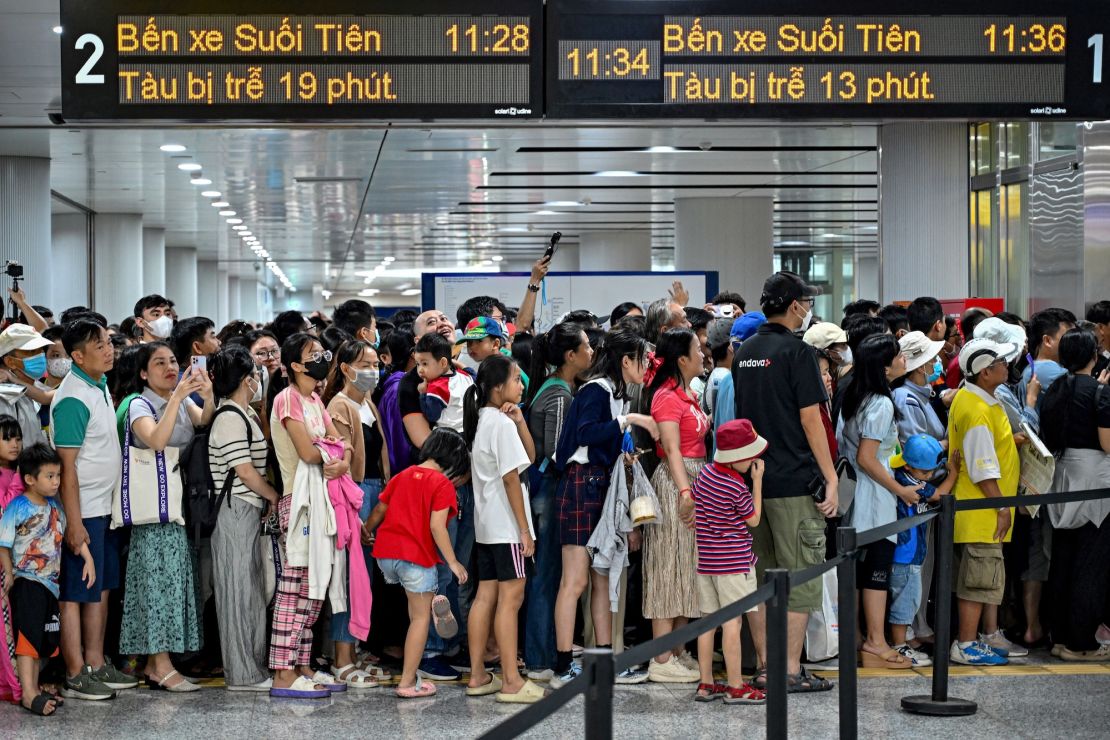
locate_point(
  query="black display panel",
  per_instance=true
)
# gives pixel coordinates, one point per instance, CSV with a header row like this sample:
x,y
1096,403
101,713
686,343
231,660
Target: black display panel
x,y
296,61
702,59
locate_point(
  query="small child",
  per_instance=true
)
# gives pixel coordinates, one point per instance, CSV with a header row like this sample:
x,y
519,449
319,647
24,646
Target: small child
x,y
444,386
31,533
724,508
413,512
917,465
11,444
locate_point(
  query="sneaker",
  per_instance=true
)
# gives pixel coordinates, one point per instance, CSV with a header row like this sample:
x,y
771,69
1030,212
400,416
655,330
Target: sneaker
x,y
85,686
918,658
541,674
977,653
631,676
1102,635
572,673
671,672
689,662
434,669
1001,645
113,678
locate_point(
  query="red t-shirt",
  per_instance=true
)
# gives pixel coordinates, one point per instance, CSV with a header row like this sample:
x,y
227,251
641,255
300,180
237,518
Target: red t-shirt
x,y
671,403
406,533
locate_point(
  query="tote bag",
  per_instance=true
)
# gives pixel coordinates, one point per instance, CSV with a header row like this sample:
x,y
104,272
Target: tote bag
x,y
149,488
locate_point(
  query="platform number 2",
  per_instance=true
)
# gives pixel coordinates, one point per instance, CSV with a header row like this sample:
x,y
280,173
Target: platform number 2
x,y
1096,42
83,76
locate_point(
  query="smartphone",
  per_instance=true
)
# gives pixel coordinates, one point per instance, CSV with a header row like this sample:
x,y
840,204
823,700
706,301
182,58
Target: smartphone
x,y
200,363
723,310
550,251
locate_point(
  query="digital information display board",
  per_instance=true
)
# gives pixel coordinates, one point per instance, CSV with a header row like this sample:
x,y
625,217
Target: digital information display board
x,y
290,61
699,59
362,59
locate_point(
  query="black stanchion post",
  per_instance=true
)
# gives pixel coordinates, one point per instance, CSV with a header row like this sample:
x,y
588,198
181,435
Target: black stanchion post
x,y
776,653
846,600
939,703
598,668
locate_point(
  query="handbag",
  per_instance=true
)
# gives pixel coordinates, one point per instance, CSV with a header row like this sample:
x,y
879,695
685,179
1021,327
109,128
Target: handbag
x,y
149,489
823,628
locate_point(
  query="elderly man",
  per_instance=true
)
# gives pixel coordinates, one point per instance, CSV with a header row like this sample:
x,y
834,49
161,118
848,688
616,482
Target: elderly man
x,y
23,356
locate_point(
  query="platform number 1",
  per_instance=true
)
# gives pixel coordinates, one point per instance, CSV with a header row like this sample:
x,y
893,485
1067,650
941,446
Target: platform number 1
x,y
83,76
1096,42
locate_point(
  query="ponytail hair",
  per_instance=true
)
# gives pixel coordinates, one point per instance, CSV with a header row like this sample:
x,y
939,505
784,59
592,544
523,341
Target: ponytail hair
x,y
549,350
608,357
494,371
1078,348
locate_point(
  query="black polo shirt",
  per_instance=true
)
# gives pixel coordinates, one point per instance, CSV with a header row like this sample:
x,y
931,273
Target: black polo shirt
x,y
775,376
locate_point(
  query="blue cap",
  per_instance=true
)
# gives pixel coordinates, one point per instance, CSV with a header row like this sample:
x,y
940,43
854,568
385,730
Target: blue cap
x,y
920,451
747,325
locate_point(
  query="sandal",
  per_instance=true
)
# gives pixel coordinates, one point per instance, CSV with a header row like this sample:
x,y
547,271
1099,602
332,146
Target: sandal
x,y
713,691
805,683
39,705
184,686
493,687
419,690
302,688
529,693
355,678
746,694
759,679
445,624
891,659
330,682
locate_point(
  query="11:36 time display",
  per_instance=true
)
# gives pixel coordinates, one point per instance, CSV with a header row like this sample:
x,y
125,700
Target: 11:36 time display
x,y
1035,39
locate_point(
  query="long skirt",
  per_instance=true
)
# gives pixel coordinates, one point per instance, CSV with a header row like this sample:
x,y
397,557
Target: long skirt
x,y
670,552
160,596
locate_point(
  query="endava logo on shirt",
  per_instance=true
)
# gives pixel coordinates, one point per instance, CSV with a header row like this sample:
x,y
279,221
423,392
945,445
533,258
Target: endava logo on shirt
x,y
754,363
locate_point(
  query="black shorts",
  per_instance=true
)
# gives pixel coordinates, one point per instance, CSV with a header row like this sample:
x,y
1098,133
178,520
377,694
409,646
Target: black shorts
x,y
35,621
503,562
873,568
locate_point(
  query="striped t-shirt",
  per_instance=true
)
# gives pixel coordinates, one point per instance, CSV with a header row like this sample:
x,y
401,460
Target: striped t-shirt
x,y
722,506
227,448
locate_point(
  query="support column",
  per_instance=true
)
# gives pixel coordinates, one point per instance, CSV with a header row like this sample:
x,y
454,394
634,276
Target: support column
x,y
117,264
154,262
923,211
181,279
235,301
614,251
207,293
25,225
867,278
69,236
221,298
731,235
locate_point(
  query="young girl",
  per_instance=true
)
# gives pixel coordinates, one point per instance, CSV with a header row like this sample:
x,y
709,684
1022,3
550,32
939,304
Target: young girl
x,y
298,420
413,513
501,449
11,444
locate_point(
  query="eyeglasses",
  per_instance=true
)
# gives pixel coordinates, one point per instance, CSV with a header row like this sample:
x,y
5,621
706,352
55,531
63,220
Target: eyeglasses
x,y
317,356
267,354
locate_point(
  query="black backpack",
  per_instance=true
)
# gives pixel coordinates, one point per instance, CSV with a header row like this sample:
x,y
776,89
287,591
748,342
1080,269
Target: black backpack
x,y
201,499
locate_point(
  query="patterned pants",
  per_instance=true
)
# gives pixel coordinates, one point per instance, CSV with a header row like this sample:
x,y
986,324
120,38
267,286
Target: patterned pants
x,y
294,612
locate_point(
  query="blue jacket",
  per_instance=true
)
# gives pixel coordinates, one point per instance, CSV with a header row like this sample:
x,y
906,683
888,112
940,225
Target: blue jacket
x,y
912,545
590,423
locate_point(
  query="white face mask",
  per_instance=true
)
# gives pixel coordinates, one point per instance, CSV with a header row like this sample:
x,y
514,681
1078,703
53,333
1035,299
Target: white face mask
x,y
846,356
160,327
807,319
256,396
58,367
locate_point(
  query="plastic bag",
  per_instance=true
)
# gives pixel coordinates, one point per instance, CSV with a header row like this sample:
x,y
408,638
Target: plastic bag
x,y
643,503
823,628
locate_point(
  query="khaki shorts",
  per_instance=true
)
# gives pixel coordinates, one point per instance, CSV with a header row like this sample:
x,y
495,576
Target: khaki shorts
x,y
791,535
715,592
980,572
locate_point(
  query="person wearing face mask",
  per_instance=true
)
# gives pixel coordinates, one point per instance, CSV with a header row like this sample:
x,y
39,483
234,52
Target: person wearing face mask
x,y
153,318
58,364
353,378
23,356
913,391
357,319
236,448
778,388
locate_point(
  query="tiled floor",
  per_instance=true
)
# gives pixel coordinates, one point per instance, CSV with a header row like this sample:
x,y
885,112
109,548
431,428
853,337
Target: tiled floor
x,y
1013,706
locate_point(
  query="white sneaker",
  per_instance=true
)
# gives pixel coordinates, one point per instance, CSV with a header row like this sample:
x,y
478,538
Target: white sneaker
x,y
671,672
631,676
688,661
1001,645
261,686
572,673
918,658
545,674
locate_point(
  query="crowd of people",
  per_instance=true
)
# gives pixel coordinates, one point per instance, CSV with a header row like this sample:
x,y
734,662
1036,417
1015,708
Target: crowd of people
x,y
333,503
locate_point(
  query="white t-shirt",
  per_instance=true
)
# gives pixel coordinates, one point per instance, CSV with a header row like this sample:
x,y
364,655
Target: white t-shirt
x,y
497,450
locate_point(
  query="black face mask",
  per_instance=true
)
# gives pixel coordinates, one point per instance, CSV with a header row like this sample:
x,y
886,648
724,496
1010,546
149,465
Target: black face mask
x,y
317,370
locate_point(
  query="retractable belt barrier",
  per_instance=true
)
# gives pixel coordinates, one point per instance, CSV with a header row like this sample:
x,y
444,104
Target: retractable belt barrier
x,y
600,667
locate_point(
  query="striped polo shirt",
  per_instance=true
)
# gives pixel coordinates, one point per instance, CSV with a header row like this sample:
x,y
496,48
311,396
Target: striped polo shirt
x,y
722,506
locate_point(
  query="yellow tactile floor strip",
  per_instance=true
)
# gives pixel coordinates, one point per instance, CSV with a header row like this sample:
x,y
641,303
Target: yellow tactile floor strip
x,y
1042,669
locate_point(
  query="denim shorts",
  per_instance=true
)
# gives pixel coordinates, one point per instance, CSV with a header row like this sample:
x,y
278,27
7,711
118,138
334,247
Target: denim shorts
x,y
905,592
416,579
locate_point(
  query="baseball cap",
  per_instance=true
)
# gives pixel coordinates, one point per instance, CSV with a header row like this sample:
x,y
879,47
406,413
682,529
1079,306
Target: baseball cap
x,y
918,349
719,332
737,441
997,330
979,353
785,287
482,327
824,335
21,336
747,325
920,451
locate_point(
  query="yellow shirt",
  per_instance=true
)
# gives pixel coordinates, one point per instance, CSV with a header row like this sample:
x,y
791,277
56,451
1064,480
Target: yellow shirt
x,y
979,429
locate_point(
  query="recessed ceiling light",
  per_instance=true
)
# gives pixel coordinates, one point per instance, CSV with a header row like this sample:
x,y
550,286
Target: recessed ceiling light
x,y
189,166
497,258
227,213
200,181
211,193
57,30
404,286
220,204
172,147
618,173
833,236
389,259
244,234
485,244
239,227
235,220
547,213
412,291
661,149
563,203
487,262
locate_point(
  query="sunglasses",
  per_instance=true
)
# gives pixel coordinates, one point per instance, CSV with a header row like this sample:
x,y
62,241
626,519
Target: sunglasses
x,y
317,356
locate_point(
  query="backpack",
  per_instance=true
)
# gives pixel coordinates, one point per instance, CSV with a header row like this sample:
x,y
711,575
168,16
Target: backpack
x,y
201,499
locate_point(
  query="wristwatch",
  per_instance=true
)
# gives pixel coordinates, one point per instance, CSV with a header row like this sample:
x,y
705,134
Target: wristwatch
x,y
534,287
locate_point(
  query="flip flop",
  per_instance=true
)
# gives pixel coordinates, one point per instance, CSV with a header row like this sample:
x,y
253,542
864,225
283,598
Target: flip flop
x,y
445,624
419,690
529,693
38,705
493,687
302,688
891,660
